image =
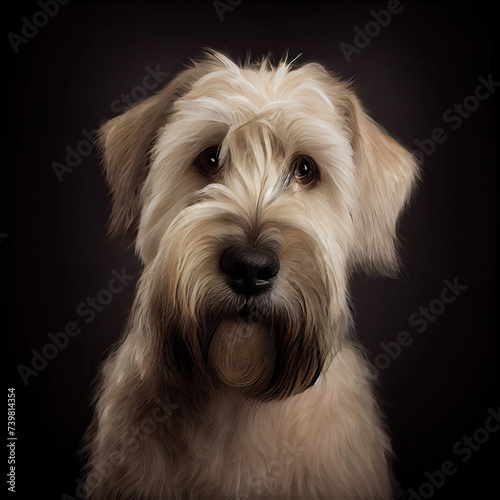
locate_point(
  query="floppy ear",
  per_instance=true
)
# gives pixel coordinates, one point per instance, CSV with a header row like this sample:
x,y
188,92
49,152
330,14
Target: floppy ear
x,y
125,143
385,174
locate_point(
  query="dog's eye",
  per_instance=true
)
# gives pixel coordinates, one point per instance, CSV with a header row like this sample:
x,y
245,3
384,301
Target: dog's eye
x,y
208,161
304,170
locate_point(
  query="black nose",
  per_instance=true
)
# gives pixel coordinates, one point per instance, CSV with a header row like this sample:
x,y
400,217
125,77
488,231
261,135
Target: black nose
x,y
250,270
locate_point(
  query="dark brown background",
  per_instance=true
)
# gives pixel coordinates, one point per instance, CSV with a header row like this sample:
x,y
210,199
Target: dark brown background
x,y
56,253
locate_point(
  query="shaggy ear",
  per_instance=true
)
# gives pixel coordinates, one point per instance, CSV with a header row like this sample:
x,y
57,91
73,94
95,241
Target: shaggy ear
x,y
125,143
385,174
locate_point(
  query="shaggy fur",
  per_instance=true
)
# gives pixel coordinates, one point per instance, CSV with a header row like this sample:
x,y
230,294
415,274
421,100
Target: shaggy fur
x,y
214,394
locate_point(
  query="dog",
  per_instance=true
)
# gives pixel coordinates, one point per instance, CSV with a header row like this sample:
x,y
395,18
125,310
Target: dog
x,y
251,191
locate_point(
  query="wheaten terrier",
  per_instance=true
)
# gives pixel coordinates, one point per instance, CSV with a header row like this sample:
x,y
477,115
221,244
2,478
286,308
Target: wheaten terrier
x,y
251,192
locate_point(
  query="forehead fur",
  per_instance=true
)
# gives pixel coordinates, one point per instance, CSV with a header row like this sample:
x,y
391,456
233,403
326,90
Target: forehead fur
x,y
261,89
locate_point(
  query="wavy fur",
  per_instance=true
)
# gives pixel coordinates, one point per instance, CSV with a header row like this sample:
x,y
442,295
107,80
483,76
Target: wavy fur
x,y
210,395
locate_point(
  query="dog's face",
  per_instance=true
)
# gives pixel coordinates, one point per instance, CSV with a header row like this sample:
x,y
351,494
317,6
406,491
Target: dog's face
x,y
252,193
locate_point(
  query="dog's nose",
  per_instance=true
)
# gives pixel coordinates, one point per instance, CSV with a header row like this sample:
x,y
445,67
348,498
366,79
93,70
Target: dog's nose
x,y
250,270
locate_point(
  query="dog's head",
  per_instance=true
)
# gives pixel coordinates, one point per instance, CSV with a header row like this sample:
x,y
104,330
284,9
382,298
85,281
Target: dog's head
x,y
251,193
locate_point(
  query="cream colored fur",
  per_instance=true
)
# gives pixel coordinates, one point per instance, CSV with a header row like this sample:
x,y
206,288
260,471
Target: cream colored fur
x,y
245,422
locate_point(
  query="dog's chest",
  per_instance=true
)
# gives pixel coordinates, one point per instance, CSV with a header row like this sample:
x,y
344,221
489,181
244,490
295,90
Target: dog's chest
x,y
265,450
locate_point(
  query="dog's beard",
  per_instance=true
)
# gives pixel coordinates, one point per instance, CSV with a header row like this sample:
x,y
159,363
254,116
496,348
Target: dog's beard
x,y
243,356
260,350
263,362
256,351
